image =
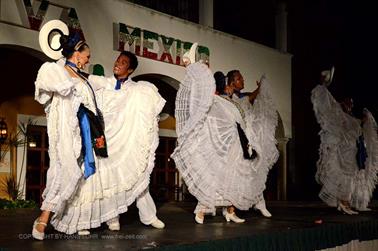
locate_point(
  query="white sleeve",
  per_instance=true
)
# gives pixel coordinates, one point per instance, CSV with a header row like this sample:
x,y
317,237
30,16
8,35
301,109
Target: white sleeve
x,y
51,79
99,82
262,120
328,111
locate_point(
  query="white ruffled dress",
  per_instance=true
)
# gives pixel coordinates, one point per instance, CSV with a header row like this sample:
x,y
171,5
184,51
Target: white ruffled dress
x,y
131,130
337,169
261,123
209,154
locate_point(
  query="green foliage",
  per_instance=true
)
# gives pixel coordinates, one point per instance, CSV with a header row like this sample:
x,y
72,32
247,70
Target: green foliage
x,y
11,187
17,139
12,204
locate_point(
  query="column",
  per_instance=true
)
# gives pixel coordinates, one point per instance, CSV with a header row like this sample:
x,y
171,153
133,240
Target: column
x,y
282,171
206,11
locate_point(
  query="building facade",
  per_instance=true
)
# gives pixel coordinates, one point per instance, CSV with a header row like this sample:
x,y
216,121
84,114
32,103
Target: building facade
x,y
159,41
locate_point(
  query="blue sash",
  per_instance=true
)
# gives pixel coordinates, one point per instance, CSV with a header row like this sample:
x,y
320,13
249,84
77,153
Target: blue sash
x,y
89,161
91,129
361,153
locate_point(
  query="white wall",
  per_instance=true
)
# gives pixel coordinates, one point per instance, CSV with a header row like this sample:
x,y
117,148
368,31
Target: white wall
x,y
226,52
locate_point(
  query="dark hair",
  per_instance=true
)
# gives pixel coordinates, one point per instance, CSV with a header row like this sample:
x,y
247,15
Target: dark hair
x,y
72,43
220,82
133,59
231,75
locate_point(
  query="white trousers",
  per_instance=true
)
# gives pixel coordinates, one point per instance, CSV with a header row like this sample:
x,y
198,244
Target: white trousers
x,y
146,207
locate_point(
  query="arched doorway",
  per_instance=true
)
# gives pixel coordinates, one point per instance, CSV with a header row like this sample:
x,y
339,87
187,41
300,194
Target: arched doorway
x,y
19,67
28,165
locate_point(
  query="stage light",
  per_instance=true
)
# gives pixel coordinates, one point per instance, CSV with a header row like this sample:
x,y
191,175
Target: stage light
x,y
32,142
3,134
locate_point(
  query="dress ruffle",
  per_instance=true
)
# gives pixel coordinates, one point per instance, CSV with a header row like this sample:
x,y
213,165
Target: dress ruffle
x,y
131,129
209,155
261,122
367,178
55,89
193,99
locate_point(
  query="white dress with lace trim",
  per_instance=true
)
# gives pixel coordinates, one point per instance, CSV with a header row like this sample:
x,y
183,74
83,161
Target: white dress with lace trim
x,y
338,172
261,122
131,130
209,154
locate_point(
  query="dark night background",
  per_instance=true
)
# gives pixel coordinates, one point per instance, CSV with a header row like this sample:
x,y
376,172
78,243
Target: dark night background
x,y
320,34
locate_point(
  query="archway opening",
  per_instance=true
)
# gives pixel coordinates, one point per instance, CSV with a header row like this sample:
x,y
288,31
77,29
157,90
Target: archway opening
x,y
20,68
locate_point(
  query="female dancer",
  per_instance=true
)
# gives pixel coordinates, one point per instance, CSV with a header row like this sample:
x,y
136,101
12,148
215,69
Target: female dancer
x,y
82,198
214,154
348,163
261,117
68,103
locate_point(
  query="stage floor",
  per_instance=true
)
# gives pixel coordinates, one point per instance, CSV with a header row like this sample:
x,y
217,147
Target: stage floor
x,y
15,227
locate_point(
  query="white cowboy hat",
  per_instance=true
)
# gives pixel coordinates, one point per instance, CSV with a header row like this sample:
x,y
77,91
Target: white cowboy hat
x,y
190,56
332,72
49,37
163,116
328,75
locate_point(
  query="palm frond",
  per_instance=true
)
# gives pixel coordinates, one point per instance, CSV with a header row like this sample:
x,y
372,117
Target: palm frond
x,y
11,187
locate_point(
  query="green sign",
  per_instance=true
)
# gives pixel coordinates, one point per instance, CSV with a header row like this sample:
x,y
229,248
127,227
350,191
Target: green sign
x,y
155,46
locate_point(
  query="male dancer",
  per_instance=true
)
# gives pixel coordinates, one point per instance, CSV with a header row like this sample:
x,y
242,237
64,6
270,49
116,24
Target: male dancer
x,y
124,66
236,81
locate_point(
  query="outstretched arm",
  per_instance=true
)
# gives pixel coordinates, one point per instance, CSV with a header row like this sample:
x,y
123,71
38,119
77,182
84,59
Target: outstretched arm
x,y
99,82
254,94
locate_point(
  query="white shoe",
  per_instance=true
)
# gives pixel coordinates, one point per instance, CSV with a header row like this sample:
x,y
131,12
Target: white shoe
x,y
265,213
262,208
113,224
352,211
158,224
366,209
83,232
35,233
345,209
232,217
190,56
198,219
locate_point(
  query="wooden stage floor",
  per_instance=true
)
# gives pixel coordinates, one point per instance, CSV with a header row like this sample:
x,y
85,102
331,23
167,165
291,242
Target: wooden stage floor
x,y
15,227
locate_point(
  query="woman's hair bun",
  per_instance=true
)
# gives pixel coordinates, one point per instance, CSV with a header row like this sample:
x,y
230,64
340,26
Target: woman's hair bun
x,y
220,81
68,44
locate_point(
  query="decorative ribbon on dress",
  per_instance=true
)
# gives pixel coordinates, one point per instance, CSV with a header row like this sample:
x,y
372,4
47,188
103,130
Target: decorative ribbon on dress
x,y
86,135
